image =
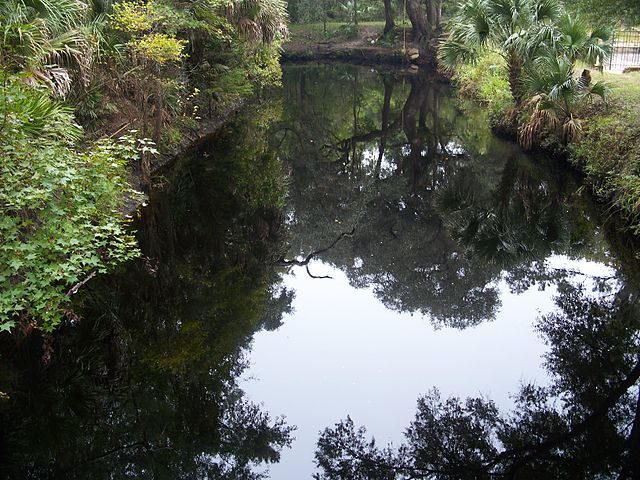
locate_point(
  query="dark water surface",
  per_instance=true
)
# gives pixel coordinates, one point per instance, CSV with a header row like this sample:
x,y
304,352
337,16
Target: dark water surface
x,y
345,248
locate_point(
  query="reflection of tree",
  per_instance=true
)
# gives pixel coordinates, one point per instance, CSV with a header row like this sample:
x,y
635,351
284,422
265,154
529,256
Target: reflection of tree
x,y
433,198
145,385
524,217
584,425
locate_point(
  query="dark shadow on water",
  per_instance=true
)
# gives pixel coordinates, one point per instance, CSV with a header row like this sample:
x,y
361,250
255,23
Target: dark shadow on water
x,y
144,384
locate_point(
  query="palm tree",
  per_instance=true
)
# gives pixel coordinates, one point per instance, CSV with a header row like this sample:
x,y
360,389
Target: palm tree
x,y
501,25
259,19
556,93
571,37
550,82
46,40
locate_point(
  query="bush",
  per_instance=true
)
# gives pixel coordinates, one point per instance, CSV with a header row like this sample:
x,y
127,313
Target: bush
x,y
60,208
487,81
347,32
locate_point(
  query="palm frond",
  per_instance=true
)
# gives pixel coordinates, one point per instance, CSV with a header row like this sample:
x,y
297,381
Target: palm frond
x,y
453,53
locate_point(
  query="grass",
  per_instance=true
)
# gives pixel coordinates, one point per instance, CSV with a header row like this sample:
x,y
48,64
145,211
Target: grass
x,y
486,81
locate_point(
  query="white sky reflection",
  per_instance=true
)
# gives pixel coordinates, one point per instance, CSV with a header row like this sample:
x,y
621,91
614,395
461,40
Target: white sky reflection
x,y
341,352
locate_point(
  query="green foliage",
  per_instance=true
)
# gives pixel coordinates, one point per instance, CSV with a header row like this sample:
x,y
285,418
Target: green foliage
x,y
158,47
60,208
48,40
259,20
171,137
149,30
347,32
608,152
495,24
540,44
229,83
556,96
135,17
309,11
627,11
264,66
91,106
487,80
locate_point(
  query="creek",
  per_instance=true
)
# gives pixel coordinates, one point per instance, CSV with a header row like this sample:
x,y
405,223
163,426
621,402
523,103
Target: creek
x,y
344,247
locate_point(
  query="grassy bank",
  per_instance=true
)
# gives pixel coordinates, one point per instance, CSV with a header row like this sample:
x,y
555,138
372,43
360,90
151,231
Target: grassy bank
x,y
607,149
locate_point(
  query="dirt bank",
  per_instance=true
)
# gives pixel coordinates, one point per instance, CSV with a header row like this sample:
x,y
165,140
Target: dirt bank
x,y
364,45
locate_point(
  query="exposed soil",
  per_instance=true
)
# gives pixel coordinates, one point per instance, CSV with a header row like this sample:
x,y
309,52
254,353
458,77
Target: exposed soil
x,y
367,47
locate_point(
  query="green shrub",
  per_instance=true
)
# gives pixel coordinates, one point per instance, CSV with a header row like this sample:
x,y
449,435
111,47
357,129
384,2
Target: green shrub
x,y
60,208
486,80
171,137
347,32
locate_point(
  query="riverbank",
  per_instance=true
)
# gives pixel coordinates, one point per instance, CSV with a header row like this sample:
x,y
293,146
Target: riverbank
x,y
609,149
606,148
365,44
189,137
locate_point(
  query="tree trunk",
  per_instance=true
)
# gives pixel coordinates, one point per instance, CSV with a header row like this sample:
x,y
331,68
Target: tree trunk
x,y
389,23
355,12
514,66
420,28
411,117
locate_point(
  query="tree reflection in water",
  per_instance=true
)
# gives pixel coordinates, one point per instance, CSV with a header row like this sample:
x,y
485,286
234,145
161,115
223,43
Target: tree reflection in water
x,y
145,384
585,424
442,210
441,213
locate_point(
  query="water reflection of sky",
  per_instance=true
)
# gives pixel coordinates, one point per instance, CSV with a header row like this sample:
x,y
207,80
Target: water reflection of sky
x,y
341,352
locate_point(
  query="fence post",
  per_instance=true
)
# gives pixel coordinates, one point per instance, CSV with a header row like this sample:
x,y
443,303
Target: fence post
x,y
613,50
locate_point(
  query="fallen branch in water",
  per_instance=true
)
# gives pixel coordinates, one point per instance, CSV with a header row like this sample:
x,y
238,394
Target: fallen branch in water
x,y
308,258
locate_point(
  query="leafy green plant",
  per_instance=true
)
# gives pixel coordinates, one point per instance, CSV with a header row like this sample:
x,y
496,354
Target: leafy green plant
x,y
347,32
499,25
158,47
487,80
171,137
60,208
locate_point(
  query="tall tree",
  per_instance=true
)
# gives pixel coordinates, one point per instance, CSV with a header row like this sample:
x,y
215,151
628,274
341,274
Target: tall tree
x,y
389,23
